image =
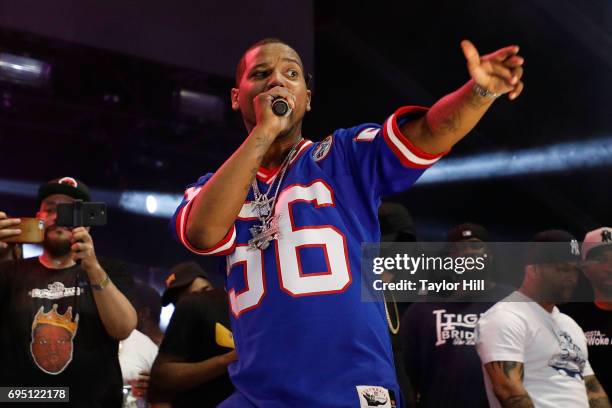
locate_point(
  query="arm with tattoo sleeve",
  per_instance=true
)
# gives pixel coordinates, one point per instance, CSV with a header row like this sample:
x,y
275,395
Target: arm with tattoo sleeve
x,y
507,382
596,394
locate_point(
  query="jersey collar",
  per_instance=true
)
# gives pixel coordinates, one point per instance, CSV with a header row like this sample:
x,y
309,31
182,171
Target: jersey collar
x,y
268,175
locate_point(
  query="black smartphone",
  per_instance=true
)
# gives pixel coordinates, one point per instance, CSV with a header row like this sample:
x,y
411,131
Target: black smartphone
x,y
81,214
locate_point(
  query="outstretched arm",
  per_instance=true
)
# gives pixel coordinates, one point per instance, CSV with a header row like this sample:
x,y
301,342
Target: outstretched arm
x,y
456,114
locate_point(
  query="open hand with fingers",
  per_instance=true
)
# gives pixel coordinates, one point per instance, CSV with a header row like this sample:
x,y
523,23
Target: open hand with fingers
x,y
9,227
499,72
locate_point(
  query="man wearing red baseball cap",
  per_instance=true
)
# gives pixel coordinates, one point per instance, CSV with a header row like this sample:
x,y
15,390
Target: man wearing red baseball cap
x,y
595,317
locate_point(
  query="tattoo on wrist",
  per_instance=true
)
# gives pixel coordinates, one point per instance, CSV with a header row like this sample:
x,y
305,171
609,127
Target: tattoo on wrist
x,y
476,101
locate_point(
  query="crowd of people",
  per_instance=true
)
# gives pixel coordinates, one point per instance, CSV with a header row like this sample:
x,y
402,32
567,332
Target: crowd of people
x,y
287,218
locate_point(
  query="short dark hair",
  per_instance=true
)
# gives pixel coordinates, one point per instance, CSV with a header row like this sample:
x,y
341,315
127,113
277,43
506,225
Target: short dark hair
x,y
270,40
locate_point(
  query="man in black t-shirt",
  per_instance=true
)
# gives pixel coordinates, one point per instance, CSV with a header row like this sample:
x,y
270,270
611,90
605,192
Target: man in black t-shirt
x,y
197,347
595,318
440,355
62,314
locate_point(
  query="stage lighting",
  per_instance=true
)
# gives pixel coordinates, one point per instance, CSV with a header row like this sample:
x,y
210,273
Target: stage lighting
x,y
200,107
560,157
23,70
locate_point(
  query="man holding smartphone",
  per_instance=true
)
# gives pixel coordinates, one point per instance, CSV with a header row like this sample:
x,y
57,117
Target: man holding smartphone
x,y
64,312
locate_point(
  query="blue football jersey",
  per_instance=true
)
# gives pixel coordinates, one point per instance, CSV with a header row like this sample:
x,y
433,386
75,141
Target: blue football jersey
x,y
303,335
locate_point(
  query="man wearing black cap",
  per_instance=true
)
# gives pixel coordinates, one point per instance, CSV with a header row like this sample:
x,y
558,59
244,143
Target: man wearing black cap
x,y
184,279
64,312
192,362
439,336
532,354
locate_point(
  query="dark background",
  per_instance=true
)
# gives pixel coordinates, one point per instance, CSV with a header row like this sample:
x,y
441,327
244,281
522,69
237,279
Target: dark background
x,y
109,114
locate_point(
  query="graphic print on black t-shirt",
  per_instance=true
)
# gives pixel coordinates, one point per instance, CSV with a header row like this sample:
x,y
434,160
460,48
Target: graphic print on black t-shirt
x,y
52,339
26,286
456,328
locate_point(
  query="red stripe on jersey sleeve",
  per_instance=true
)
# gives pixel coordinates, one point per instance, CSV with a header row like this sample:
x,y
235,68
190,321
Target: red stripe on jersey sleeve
x,y
409,154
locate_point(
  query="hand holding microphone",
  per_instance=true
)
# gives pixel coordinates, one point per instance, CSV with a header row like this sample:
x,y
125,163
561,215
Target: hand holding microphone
x,y
273,110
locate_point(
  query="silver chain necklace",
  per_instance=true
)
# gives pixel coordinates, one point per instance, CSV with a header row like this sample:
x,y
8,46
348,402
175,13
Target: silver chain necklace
x,y
263,205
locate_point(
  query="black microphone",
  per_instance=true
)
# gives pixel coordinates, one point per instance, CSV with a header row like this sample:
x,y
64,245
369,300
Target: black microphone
x,y
280,107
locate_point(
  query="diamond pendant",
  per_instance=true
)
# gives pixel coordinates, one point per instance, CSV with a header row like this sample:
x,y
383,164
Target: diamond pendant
x,y
263,234
262,206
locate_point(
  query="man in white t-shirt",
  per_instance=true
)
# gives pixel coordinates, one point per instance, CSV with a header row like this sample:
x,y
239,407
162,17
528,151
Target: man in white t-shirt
x,y
532,354
136,356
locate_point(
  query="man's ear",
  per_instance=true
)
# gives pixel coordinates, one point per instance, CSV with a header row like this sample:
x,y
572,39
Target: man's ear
x,y
235,99
531,272
309,98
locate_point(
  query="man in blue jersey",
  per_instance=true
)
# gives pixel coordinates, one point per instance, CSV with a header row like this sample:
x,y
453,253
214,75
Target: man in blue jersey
x,y
289,215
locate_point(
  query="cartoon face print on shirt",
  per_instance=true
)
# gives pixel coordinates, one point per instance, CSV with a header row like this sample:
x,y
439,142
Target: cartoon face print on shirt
x,y
52,339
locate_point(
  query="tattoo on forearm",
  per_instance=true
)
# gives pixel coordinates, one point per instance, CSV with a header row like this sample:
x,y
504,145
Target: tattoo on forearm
x,y
450,122
597,395
509,366
591,384
510,372
517,401
261,143
601,402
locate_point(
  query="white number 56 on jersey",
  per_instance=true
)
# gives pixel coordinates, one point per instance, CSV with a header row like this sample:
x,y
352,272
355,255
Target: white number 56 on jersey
x,y
292,280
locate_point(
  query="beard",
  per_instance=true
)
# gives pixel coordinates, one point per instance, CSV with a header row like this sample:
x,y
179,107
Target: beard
x,y
605,289
57,246
285,133
559,294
